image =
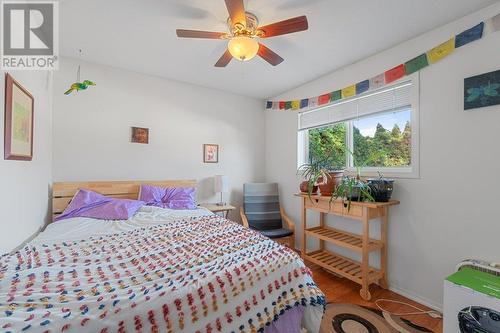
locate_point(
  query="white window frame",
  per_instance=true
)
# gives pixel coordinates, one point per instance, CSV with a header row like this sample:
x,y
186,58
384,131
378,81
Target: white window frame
x,y
411,172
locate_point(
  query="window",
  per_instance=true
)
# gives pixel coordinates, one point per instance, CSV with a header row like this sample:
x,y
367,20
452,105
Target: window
x,y
382,140
380,129
329,141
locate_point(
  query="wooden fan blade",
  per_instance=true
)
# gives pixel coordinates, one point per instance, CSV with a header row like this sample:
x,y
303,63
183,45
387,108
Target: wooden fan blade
x,y
285,27
236,10
269,56
183,33
224,60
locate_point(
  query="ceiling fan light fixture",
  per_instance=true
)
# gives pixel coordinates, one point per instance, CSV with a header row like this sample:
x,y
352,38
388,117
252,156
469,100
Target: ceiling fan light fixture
x,y
243,48
244,34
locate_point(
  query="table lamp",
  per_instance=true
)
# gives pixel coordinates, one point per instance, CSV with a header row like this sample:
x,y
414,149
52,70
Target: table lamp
x,y
221,184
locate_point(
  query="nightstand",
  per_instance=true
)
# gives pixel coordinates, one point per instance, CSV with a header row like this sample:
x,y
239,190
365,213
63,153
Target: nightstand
x,y
214,208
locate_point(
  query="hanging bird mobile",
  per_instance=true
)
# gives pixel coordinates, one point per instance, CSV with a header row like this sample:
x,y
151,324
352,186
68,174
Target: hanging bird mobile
x,y
78,86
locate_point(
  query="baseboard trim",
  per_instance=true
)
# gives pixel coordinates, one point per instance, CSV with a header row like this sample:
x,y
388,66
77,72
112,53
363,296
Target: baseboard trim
x,y
418,299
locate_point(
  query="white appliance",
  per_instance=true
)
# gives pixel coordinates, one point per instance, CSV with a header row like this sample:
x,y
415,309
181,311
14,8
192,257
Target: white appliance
x,y
472,298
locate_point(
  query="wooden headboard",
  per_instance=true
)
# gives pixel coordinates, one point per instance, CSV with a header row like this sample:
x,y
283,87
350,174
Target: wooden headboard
x,y
63,192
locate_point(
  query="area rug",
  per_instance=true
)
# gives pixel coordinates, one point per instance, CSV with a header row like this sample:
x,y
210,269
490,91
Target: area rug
x,y
350,318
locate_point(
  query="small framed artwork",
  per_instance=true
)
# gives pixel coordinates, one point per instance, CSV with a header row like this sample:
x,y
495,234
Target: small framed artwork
x,y
19,119
482,90
140,135
210,153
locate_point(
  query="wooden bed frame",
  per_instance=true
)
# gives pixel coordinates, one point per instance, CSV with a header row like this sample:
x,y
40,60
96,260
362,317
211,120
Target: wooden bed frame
x,y
63,192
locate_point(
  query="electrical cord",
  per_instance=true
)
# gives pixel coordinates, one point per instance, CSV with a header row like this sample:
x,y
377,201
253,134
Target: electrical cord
x,y
431,313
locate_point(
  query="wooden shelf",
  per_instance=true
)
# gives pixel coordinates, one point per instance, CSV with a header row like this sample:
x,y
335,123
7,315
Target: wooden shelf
x,y
362,244
340,208
343,238
343,266
353,203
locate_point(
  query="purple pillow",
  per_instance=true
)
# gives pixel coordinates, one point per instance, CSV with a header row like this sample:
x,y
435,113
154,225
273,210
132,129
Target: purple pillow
x,y
87,203
168,197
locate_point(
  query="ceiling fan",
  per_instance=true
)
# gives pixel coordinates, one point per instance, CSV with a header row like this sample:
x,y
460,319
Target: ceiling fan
x,y
243,31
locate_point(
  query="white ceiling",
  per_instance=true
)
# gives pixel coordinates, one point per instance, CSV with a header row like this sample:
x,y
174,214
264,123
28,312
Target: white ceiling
x,y
139,35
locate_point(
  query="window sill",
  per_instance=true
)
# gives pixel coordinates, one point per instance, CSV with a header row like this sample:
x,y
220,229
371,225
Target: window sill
x,y
398,173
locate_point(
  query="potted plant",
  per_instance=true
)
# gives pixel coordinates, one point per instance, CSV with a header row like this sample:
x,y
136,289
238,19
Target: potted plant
x,y
352,189
333,164
330,181
311,172
322,174
381,188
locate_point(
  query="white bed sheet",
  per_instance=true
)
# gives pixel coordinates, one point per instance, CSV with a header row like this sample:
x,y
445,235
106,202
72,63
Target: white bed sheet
x,y
83,227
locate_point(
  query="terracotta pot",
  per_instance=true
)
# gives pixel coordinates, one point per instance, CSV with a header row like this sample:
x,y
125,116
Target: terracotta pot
x,y
304,187
331,184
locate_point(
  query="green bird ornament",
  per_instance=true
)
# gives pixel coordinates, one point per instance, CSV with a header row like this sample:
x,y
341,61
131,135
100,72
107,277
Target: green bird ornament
x,y
77,86
88,83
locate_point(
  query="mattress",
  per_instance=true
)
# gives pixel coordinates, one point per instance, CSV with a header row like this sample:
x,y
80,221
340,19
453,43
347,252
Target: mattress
x,y
160,271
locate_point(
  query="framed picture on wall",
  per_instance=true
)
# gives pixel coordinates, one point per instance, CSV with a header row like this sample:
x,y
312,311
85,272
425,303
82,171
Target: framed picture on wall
x,y
210,153
19,119
140,135
482,90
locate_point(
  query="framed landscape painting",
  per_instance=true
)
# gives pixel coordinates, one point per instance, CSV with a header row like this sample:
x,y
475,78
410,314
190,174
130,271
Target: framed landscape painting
x,y
19,119
482,90
210,153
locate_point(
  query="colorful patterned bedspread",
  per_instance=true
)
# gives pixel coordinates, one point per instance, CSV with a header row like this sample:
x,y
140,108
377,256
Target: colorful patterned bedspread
x,y
200,274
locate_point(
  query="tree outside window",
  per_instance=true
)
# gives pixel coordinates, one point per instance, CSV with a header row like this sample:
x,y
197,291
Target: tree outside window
x,y
381,140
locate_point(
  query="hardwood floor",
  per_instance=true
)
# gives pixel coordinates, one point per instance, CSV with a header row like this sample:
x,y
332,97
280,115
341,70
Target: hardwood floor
x,y
340,290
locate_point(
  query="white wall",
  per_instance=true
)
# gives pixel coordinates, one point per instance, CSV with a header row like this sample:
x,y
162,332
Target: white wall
x,y
26,184
451,212
92,130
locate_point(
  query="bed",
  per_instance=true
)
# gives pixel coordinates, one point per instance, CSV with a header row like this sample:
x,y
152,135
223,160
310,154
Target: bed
x,y
160,271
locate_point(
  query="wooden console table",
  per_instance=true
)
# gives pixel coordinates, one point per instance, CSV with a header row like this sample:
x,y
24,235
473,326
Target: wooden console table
x,y
359,272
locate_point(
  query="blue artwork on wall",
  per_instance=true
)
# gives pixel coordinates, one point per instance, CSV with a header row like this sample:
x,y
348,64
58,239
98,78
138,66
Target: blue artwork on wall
x,y
482,90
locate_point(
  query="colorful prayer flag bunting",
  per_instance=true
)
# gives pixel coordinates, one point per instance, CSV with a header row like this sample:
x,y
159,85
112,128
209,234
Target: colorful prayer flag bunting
x,y
349,91
335,95
313,102
441,51
469,35
324,99
304,103
362,86
394,74
416,64
377,81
